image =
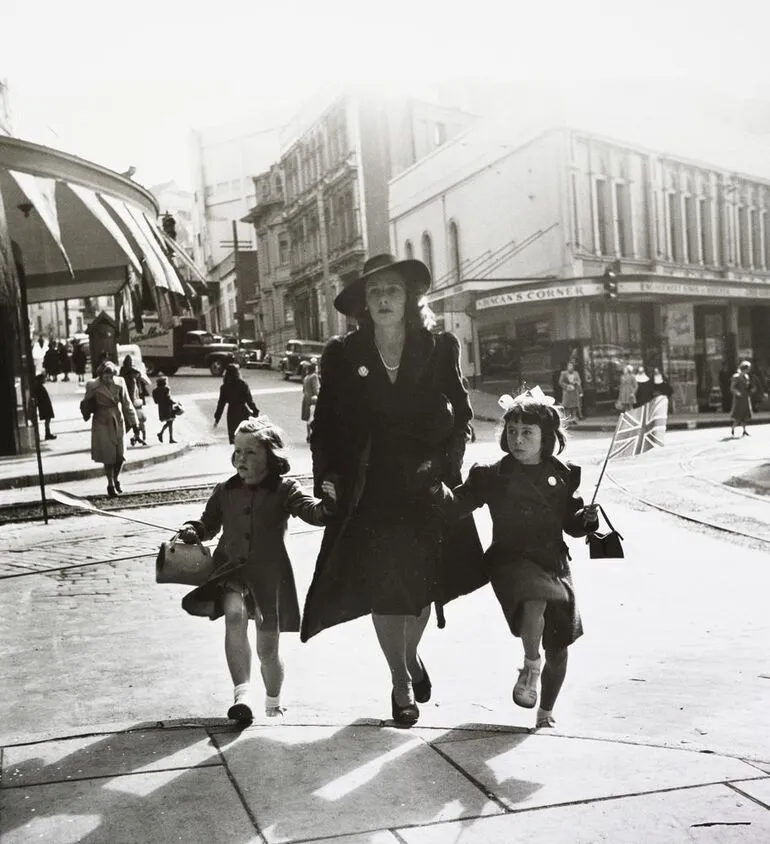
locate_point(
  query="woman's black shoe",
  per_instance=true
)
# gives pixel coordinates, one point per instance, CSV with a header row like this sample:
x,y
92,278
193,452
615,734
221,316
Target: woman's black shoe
x,y
404,716
111,491
118,488
422,688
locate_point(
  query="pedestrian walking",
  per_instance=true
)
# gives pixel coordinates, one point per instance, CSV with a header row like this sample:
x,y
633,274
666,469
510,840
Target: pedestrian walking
x,y
571,390
392,415
253,577
138,386
51,362
65,366
43,405
532,500
627,390
311,384
107,404
661,385
236,394
643,387
161,395
79,361
740,387
38,355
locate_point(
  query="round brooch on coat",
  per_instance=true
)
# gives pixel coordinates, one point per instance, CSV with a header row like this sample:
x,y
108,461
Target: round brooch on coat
x,y
363,371
551,480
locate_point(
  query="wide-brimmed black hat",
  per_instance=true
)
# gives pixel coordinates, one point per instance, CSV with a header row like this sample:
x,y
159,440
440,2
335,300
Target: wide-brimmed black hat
x,y
352,300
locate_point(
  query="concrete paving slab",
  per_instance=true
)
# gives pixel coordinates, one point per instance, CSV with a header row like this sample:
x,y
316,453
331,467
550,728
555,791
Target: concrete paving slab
x,y
185,805
107,755
379,836
303,783
708,815
758,789
540,770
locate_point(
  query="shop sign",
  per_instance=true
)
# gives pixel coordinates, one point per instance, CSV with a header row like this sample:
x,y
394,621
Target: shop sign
x,y
539,294
684,288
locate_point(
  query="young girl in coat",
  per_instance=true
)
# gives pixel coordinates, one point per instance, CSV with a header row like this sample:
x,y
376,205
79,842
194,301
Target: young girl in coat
x,y
253,576
532,500
162,397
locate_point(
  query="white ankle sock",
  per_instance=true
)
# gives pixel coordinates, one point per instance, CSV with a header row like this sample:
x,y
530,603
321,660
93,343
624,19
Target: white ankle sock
x,y
532,663
241,691
544,713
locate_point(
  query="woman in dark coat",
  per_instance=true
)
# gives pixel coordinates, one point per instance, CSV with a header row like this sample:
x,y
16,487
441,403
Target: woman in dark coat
x,y
740,387
392,417
234,393
51,362
79,359
44,405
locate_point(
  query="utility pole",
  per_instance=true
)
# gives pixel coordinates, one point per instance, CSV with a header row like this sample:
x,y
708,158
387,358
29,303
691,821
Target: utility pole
x,y
331,324
237,281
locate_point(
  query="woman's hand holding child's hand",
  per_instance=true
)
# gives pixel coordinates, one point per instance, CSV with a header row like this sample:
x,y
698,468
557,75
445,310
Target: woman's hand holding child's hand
x,y
329,497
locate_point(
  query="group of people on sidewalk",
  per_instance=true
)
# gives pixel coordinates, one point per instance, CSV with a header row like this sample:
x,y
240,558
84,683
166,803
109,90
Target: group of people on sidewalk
x,y
388,436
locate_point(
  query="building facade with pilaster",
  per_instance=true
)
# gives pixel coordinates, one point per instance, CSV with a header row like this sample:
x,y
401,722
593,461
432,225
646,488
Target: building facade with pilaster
x,y
520,221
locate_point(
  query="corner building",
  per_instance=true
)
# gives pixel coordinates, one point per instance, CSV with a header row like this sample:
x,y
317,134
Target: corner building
x,y
519,220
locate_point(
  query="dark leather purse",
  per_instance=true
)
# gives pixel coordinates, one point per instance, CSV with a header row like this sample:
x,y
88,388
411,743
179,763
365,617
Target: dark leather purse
x,y
605,546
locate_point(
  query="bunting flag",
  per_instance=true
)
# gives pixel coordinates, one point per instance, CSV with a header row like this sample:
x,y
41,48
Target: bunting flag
x,y
640,429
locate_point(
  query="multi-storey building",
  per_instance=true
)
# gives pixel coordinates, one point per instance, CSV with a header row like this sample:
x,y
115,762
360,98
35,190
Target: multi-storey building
x,y
520,222
336,172
270,303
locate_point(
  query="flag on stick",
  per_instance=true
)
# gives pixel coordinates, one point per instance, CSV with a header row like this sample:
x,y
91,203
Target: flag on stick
x,y
637,431
640,429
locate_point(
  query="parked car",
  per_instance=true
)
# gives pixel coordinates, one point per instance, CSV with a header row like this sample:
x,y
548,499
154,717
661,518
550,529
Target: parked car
x,y
251,354
296,353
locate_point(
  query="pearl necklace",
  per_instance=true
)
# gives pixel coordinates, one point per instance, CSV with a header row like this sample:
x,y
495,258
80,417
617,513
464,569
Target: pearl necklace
x,y
389,368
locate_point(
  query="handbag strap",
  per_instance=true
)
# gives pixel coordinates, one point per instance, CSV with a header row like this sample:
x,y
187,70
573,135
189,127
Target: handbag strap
x,y
607,519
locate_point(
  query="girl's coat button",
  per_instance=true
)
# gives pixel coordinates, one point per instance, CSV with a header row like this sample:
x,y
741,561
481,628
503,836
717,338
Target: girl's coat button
x,y
551,480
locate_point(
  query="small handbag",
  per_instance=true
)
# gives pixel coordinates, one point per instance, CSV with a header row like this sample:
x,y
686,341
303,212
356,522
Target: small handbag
x,y
177,409
605,546
179,562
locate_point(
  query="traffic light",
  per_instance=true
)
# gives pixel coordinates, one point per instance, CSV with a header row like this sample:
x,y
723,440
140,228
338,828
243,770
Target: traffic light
x,y
610,285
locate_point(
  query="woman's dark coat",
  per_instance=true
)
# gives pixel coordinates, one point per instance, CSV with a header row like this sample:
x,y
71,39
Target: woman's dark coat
x,y
43,401
79,359
162,397
438,414
236,394
251,550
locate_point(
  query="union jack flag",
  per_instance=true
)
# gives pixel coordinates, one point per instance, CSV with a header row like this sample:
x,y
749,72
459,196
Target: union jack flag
x,y
640,429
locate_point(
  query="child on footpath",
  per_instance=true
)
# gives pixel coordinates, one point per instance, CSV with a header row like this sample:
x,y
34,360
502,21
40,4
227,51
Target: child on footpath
x,y
162,397
253,577
532,500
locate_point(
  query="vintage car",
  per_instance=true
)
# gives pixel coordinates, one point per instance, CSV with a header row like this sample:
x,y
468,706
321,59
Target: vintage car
x,y
251,354
297,353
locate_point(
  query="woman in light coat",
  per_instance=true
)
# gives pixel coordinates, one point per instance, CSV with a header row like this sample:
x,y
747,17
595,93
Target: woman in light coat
x,y
111,411
571,390
627,392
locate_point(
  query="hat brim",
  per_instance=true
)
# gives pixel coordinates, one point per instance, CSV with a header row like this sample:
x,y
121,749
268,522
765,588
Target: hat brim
x,y
351,300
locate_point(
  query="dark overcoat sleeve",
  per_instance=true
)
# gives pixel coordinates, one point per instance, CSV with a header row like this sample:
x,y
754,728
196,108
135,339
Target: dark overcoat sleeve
x,y
461,501
220,404
327,439
300,504
452,385
573,523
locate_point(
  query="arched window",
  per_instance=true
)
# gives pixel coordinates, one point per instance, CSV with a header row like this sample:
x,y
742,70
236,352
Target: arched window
x,y
409,249
427,252
454,247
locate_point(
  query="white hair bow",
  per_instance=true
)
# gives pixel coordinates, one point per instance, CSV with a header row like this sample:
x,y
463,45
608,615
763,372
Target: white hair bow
x,y
507,402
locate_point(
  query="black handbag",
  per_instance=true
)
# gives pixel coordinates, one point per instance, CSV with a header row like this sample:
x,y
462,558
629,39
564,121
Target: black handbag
x,y
605,546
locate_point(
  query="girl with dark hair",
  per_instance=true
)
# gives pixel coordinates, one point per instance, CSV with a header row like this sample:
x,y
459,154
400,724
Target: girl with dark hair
x,y
236,394
392,415
253,578
532,500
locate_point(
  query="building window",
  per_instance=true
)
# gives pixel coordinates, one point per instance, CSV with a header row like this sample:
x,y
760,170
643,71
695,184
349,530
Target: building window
x,y
756,239
672,219
603,217
288,310
283,251
427,252
692,240
454,249
623,220
766,232
743,238
409,250
439,134
575,211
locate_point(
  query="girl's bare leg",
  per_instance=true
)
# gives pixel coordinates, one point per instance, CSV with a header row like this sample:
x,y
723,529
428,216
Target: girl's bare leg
x,y
237,650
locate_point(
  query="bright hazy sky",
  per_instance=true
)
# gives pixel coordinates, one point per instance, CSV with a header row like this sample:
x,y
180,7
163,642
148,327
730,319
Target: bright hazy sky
x,y
125,87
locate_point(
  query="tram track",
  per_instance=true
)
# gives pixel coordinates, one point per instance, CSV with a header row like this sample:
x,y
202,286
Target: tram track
x,y
752,527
